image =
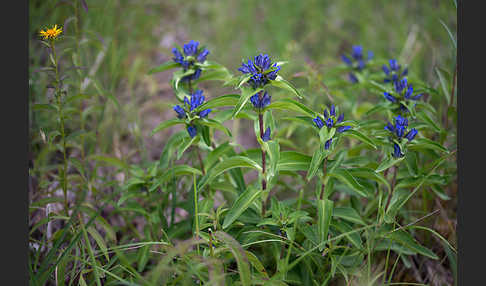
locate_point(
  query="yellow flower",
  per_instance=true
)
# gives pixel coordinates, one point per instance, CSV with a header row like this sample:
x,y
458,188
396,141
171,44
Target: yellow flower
x,y
51,33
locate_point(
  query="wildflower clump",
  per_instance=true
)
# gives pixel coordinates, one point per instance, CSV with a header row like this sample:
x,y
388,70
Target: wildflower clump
x,y
261,69
188,110
190,55
356,61
399,131
393,72
332,123
402,95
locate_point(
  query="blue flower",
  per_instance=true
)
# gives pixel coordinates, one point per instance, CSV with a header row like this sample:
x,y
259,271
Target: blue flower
x,y
318,122
204,113
340,118
190,49
403,91
411,134
389,97
353,78
328,144
259,101
393,73
266,135
196,100
397,152
180,112
356,61
191,130
333,110
202,56
401,125
192,53
329,123
261,69
330,120
341,129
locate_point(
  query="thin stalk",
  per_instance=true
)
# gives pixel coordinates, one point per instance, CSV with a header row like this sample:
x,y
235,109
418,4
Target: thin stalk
x,y
62,131
321,195
445,119
264,182
299,204
200,161
196,211
392,187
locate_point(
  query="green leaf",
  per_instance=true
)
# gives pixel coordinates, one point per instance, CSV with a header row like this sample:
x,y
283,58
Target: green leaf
x,y
424,143
293,161
319,155
411,162
423,116
215,124
324,211
169,148
282,83
110,161
405,239
292,105
166,124
255,262
345,176
387,163
344,228
246,93
175,171
186,143
348,214
240,205
179,75
273,149
224,100
443,85
368,173
227,164
40,106
163,67
360,136
99,241
451,36
239,254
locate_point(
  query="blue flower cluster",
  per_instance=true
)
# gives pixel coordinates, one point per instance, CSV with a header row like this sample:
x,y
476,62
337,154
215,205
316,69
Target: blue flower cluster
x,y
356,61
399,131
261,69
192,53
195,101
330,122
394,73
259,101
404,91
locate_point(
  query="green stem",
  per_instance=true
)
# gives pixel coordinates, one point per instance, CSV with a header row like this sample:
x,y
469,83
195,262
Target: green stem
x,y
196,212
299,204
321,195
392,188
62,131
264,182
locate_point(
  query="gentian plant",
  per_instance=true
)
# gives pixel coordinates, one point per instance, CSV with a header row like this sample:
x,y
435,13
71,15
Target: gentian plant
x,y
356,61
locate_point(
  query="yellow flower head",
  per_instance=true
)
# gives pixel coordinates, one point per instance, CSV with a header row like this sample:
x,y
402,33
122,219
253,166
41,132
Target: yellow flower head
x,y
51,33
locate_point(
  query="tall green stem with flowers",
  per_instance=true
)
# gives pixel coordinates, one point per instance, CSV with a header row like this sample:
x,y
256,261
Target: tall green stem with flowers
x,y
50,36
